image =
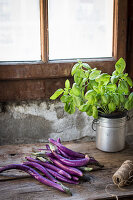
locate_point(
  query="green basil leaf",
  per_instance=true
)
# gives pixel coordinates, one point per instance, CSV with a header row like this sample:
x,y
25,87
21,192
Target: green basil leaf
x,y
94,112
123,76
66,91
123,87
66,107
111,107
56,94
122,98
82,92
116,99
67,84
96,89
129,81
102,90
91,100
128,105
120,65
80,73
93,83
105,99
101,83
69,107
105,78
76,90
111,87
94,74
115,73
89,87
75,68
86,66
66,98
90,93
114,79
89,112
84,81
126,74
84,108
77,101
87,73
77,79
131,97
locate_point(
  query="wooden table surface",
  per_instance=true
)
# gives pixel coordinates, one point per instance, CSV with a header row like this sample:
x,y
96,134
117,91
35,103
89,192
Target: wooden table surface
x,y
19,186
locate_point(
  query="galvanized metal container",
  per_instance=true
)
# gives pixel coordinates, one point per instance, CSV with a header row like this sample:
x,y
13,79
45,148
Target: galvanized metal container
x,y
110,133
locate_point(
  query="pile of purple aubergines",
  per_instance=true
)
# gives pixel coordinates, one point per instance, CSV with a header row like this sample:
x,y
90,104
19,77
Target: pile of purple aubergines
x,y
57,164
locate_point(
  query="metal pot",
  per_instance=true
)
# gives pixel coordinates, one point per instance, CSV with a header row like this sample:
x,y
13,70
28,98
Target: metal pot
x,y
110,133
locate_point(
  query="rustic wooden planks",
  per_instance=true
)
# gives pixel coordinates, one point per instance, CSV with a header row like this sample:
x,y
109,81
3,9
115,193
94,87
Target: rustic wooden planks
x,y
27,188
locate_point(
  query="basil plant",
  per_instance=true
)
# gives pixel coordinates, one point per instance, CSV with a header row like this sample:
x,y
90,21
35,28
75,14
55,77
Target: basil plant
x,y
93,91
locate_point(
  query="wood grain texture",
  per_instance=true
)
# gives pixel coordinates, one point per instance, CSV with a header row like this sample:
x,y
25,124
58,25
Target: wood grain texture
x,y
33,88
28,188
130,39
31,82
130,9
120,29
29,89
48,70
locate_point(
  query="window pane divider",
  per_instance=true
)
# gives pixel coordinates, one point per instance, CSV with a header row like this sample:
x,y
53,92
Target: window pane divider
x,y
44,29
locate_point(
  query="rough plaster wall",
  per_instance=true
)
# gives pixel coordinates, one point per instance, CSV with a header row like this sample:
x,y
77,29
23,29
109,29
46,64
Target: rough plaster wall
x,y
37,121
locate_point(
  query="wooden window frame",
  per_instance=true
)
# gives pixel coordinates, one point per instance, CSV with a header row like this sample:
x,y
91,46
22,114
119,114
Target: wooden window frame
x,y
38,80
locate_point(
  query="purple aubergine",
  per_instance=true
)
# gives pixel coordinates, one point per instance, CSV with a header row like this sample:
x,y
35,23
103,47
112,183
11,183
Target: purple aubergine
x,y
36,175
70,170
67,156
47,147
61,178
66,150
73,163
64,154
75,178
50,166
59,140
42,169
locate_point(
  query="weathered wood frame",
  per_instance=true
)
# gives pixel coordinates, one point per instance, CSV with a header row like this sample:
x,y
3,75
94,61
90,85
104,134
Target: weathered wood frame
x,y
37,80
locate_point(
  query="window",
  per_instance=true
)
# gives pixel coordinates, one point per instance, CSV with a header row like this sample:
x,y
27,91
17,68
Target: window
x,y
40,76
19,30
80,29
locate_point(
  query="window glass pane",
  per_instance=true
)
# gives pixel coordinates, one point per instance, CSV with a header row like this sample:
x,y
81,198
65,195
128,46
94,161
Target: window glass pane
x,y
20,30
80,28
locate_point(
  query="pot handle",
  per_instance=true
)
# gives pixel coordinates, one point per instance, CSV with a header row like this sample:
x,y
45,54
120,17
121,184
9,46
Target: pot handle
x,y
95,121
128,117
